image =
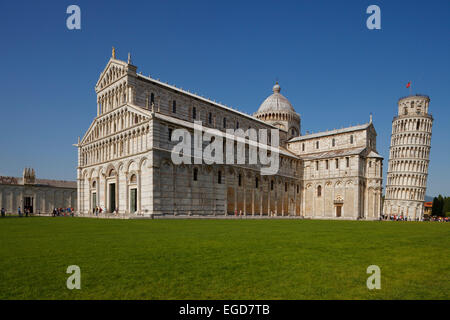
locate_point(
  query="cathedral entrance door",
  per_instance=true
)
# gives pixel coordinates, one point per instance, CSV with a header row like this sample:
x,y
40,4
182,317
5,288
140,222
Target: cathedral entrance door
x,y
94,200
112,197
338,211
133,200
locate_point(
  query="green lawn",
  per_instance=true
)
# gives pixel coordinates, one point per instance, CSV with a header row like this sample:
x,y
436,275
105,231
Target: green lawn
x,y
222,259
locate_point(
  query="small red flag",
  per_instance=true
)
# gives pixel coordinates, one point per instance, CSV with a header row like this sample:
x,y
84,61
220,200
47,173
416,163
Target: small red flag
x,y
409,84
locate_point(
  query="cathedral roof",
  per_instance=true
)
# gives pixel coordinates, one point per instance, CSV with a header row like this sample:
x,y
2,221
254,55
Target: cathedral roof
x,y
373,154
276,102
331,132
193,95
342,153
334,153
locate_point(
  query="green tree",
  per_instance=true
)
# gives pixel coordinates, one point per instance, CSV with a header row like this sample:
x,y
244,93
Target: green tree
x,y
441,206
446,208
438,206
435,208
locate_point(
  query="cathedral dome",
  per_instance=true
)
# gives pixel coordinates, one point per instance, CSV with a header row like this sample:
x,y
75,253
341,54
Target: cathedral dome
x,y
276,102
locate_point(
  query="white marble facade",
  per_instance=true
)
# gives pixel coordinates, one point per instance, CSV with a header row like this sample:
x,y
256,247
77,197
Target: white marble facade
x,y
124,163
409,158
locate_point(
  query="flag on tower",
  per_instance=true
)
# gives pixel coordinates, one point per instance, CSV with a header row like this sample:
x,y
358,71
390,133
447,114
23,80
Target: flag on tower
x,y
408,85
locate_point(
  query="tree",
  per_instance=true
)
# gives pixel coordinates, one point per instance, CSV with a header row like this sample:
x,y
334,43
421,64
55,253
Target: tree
x,y
435,208
446,208
438,206
441,206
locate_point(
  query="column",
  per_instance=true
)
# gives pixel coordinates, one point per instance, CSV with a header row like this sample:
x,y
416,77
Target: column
x,y
117,192
139,190
127,194
245,198
90,196
253,202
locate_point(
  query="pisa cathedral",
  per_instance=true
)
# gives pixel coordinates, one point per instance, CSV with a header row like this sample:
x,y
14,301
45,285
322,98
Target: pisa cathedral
x,y
125,167
409,158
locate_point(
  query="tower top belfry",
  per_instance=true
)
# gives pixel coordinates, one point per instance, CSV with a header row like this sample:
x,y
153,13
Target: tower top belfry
x,y
413,105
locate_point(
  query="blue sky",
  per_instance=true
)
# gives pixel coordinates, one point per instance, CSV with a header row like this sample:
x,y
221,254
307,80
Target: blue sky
x,y
330,66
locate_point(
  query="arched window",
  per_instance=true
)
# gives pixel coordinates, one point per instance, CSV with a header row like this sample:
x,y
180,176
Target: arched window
x,y
319,191
256,183
224,122
210,118
133,179
219,177
317,144
418,125
94,184
237,124
195,174
239,180
298,188
333,142
303,147
152,98
271,185
351,139
174,106
194,113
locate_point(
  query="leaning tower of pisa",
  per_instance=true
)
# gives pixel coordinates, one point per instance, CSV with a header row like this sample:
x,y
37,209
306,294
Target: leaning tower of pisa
x,y
409,158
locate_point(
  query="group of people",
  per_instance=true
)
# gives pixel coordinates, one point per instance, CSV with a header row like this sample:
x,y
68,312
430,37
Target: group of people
x,y
98,210
20,213
397,217
400,217
62,212
438,219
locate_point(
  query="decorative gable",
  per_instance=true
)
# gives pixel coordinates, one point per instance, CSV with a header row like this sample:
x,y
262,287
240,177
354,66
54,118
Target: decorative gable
x,y
118,120
115,69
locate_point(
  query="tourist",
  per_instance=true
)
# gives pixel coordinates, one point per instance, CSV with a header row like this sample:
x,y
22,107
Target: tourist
x,y
26,212
19,212
3,212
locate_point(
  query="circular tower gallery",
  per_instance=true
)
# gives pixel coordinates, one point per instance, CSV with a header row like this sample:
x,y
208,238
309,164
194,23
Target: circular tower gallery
x,y
409,158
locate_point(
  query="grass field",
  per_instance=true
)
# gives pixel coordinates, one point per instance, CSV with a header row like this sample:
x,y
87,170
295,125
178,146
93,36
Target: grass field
x,y
222,259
